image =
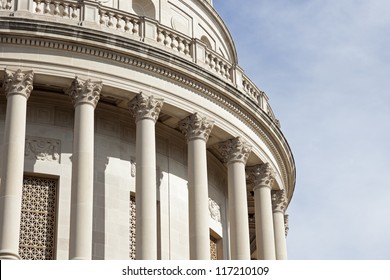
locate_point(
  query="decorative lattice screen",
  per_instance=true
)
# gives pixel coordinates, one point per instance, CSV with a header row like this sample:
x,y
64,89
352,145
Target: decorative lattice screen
x,y
37,225
132,228
213,249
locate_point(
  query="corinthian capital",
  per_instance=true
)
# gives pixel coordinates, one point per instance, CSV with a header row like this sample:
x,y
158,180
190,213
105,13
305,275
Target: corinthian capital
x,y
85,91
261,175
279,201
235,150
18,82
196,127
144,107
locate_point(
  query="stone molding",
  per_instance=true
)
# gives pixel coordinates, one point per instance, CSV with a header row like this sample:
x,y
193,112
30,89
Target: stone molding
x,y
18,82
144,107
198,88
279,201
42,149
234,150
84,92
261,175
196,127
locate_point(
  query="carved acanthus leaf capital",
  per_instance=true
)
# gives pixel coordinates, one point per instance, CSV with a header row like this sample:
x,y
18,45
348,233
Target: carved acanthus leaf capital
x,y
144,107
85,91
261,175
18,82
279,201
196,127
234,150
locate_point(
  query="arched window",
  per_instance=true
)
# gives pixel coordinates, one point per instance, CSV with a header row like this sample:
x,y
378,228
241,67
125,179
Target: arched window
x,y
206,40
144,8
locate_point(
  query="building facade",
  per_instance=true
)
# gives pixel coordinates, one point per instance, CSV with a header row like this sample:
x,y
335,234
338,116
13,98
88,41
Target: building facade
x,y
128,131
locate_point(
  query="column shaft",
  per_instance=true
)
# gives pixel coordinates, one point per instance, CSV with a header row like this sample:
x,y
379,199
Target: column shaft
x,y
146,111
85,95
197,130
82,184
265,242
280,236
235,153
238,212
17,87
279,205
146,191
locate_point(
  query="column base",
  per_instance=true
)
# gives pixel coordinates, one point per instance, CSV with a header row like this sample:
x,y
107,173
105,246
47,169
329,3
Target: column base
x,y
4,255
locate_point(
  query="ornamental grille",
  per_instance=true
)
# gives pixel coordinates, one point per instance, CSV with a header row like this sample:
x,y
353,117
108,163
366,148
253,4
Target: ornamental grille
x,y
132,228
213,249
37,225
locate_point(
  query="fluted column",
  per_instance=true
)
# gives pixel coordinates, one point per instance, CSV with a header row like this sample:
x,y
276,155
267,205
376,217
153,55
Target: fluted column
x,y
262,176
279,205
146,111
85,95
197,130
235,153
17,87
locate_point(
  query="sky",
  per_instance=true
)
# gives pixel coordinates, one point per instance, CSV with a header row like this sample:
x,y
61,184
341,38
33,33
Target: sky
x,y
325,66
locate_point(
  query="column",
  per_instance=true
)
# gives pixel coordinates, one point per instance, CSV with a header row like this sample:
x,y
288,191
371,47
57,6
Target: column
x,y
262,177
146,111
235,153
197,130
279,205
85,95
17,88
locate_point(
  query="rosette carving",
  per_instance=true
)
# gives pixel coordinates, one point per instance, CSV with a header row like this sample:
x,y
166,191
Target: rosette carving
x,y
261,175
144,107
196,127
85,91
234,150
279,201
18,82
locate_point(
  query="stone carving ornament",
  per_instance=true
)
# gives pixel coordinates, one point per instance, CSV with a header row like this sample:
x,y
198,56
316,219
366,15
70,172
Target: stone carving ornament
x,y
5,4
144,107
85,91
286,226
196,127
215,210
43,149
279,201
18,82
260,175
234,150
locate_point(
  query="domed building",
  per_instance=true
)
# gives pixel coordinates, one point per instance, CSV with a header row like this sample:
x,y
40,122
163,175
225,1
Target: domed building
x,y
129,131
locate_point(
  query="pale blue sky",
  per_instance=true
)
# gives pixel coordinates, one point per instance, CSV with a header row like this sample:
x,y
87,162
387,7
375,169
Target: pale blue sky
x,y
325,65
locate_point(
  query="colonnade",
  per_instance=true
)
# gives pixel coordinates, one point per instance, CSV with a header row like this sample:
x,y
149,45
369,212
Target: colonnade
x,y
269,205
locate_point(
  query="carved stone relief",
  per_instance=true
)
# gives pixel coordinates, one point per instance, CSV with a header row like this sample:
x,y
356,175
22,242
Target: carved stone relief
x,y
43,149
215,210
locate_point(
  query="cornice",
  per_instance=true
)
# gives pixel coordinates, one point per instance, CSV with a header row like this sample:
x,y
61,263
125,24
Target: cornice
x,y
98,44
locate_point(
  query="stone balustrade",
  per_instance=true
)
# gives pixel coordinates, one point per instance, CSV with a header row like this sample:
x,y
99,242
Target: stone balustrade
x,y
118,20
95,15
218,64
60,9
